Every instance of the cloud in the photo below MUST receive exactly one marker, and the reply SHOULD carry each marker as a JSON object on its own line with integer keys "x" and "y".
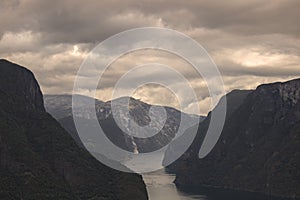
{"x": 251, "y": 42}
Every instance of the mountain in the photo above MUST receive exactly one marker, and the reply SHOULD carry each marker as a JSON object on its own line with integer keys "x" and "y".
{"x": 60, "y": 106}
{"x": 259, "y": 148}
{"x": 233, "y": 99}
{"x": 39, "y": 159}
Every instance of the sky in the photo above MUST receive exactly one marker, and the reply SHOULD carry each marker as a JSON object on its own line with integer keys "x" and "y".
{"x": 251, "y": 42}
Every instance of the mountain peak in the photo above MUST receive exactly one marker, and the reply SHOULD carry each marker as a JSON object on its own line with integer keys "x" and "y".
{"x": 293, "y": 82}
{"x": 17, "y": 81}
{"x": 126, "y": 99}
{"x": 259, "y": 144}
{"x": 39, "y": 159}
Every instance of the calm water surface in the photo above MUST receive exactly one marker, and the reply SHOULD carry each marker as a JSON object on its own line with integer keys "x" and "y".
{"x": 160, "y": 186}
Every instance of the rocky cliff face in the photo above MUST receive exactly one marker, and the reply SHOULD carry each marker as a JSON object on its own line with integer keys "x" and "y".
{"x": 234, "y": 99}
{"x": 38, "y": 158}
{"x": 60, "y": 107}
{"x": 19, "y": 82}
{"x": 259, "y": 149}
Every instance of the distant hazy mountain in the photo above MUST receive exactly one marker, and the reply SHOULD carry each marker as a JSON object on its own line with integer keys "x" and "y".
{"x": 38, "y": 158}
{"x": 259, "y": 149}
{"x": 59, "y": 106}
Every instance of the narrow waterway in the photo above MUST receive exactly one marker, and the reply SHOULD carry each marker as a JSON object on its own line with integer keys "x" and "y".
{"x": 160, "y": 186}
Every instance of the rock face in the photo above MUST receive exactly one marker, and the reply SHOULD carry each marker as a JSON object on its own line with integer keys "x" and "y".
{"x": 19, "y": 82}
{"x": 38, "y": 158}
{"x": 234, "y": 99}
{"x": 259, "y": 149}
{"x": 60, "y": 106}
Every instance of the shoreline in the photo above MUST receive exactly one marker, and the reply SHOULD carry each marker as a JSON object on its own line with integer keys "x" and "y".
{"x": 227, "y": 191}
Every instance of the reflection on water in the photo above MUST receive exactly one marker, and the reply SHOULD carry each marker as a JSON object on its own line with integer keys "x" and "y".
{"x": 160, "y": 186}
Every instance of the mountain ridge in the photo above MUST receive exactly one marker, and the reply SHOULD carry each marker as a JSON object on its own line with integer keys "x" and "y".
{"x": 138, "y": 113}
{"x": 38, "y": 158}
{"x": 258, "y": 149}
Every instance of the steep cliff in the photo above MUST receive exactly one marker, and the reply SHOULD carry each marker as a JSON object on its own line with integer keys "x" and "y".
{"x": 259, "y": 149}
{"x": 38, "y": 158}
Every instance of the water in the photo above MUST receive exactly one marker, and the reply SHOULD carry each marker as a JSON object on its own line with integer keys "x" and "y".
{"x": 160, "y": 186}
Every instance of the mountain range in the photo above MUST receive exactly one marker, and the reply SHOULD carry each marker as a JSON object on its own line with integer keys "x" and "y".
{"x": 42, "y": 157}
{"x": 60, "y": 106}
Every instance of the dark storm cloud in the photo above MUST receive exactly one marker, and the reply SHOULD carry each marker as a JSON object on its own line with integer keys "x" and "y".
{"x": 257, "y": 40}
{"x": 71, "y": 21}
{"x": 92, "y": 21}
{"x": 247, "y": 17}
